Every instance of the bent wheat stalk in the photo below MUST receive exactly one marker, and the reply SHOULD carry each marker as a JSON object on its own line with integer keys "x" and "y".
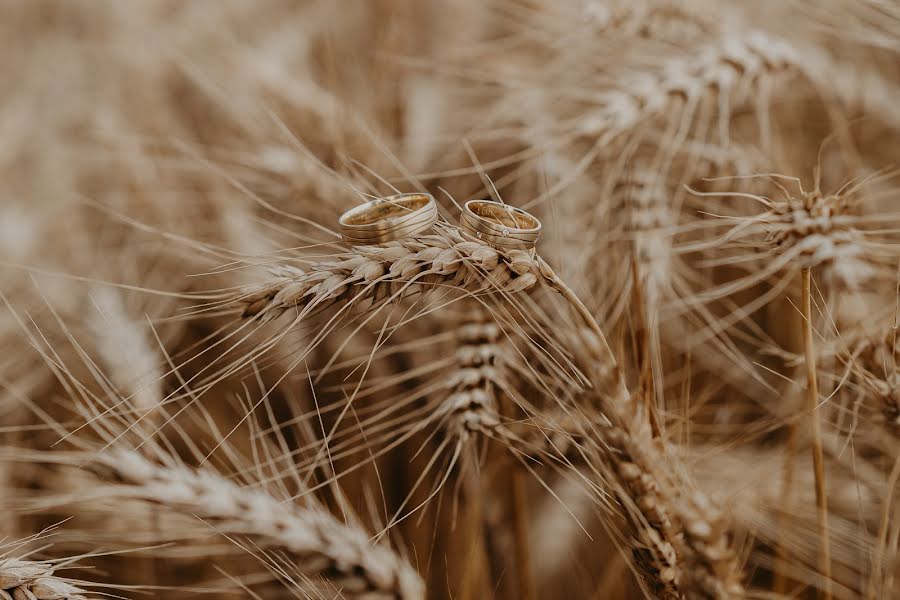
{"x": 812, "y": 391}
{"x": 398, "y": 269}
{"x": 376, "y": 276}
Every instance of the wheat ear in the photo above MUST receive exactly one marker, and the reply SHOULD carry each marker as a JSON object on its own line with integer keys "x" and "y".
{"x": 471, "y": 404}
{"x": 730, "y": 65}
{"x": 681, "y": 539}
{"x": 376, "y": 275}
{"x": 34, "y": 580}
{"x": 877, "y": 357}
{"x": 650, "y": 19}
{"x": 320, "y": 544}
{"x": 386, "y": 273}
{"x": 809, "y": 229}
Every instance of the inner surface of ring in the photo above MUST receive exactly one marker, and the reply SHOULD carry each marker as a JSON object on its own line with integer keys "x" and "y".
{"x": 501, "y": 215}
{"x": 386, "y": 208}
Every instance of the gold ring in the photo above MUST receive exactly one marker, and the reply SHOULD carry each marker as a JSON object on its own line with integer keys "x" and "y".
{"x": 389, "y": 218}
{"x": 500, "y": 225}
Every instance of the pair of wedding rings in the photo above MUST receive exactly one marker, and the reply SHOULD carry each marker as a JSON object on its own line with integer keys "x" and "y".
{"x": 405, "y": 215}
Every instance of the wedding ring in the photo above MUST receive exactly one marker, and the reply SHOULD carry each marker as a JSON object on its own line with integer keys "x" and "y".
{"x": 500, "y": 225}
{"x": 389, "y": 218}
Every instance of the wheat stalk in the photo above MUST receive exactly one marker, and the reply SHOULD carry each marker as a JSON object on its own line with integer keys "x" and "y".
{"x": 375, "y": 276}
{"x": 812, "y": 394}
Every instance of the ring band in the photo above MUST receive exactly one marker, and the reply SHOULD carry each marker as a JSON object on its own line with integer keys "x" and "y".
{"x": 501, "y": 225}
{"x": 389, "y": 218}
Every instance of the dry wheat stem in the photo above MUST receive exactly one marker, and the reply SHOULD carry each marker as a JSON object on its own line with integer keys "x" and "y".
{"x": 816, "y": 422}
{"x": 321, "y": 545}
{"x": 34, "y": 580}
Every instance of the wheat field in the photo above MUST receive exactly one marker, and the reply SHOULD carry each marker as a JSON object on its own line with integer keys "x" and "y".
{"x": 689, "y": 389}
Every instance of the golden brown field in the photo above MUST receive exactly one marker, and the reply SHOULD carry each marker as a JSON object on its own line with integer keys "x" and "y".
{"x": 689, "y": 388}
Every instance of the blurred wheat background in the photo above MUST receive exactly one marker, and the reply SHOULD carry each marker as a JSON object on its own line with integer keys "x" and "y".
{"x": 690, "y": 389}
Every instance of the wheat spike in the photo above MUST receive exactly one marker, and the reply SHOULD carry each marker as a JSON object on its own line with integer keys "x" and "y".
{"x": 320, "y": 544}
{"x": 685, "y": 538}
{"x": 34, "y": 580}
{"x": 731, "y": 66}
{"x": 472, "y": 404}
{"x": 392, "y": 271}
